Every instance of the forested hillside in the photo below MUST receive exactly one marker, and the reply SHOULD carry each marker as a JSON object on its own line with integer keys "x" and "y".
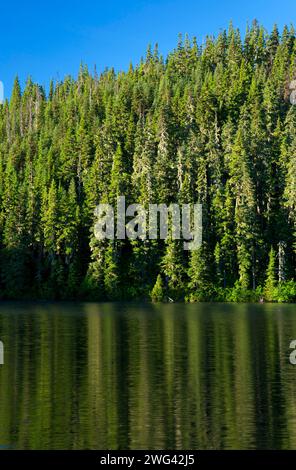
{"x": 211, "y": 124}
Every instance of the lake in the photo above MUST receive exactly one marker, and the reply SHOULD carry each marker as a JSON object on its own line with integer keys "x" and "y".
{"x": 141, "y": 376}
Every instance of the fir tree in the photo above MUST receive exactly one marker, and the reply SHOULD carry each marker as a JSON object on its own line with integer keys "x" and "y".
{"x": 270, "y": 282}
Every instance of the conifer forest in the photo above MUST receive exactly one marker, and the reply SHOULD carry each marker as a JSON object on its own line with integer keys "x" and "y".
{"x": 211, "y": 123}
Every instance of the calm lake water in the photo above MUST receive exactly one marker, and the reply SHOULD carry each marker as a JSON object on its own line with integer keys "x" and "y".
{"x": 113, "y": 376}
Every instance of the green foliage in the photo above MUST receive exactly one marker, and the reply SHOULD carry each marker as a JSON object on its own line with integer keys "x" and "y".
{"x": 200, "y": 285}
{"x": 286, "y": 292}
{"x": 213, "y": 124}
{"x": 158, "y": 293}
{"x": 270, "y": 287}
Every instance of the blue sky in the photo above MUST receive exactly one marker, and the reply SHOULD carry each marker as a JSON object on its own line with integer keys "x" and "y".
{"x": 50, "y": 39}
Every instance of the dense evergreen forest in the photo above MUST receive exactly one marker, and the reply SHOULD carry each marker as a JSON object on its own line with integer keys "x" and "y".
{"x": 211, "y": 124}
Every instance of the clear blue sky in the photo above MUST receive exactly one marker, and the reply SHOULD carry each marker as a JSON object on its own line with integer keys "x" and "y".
{"x": 49, "y": 39}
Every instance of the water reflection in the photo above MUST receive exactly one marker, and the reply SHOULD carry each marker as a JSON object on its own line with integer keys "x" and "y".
{"x": 111, "y": 376}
